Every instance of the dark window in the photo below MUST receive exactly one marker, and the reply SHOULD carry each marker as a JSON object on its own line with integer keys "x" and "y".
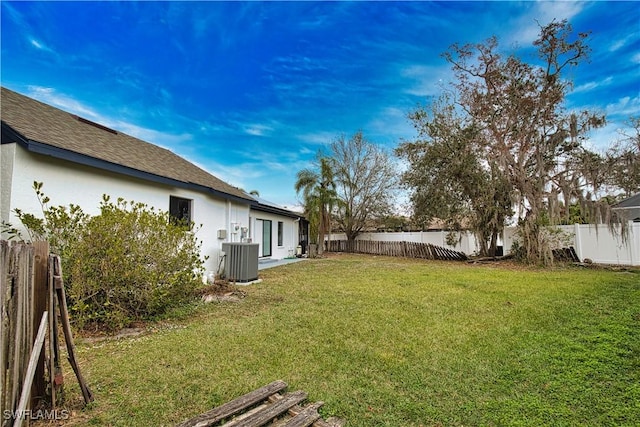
{"x": 180, "y": 210}
{"x": 280, "y": 233}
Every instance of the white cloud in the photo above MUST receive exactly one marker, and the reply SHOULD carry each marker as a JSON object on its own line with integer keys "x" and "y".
{"x": 318, "y": 138}
{"x": 50, "y": 96}
{"x": 619, "y": 44}
{"x": 35, "y": 43}
{"x": 41, "y": 46}
{"x": 427, "y": 80}
{"x": 238, "y": 174}
{"x": 392, "y": 123}
{"x": 150, "y": 135}
{"x": 14, "y": 15}
{"x": 71, "y": 105}
{"x": 295, "y": 64}
{"x": 542, "y": 13}
{"x": 626, "y": 106}
{"x": 617, "y": 114}
{"x": 602, "y": 138}
{"x": 593, "y": 85}
{"x": 257, "y": 129}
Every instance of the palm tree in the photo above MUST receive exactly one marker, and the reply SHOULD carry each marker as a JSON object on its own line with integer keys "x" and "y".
{"x": 319, "y": 196}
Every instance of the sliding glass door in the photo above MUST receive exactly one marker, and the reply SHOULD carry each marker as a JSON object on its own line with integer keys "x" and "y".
{"x": 265, "y": 243}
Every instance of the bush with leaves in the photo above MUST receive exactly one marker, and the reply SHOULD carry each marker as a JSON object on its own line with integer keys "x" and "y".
{"x": 130, "y": 262}
{"x": 60, "y": 225}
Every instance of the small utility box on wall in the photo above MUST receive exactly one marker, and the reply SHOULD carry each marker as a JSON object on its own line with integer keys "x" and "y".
{"x": 222, "y": 234}
{"x": 241, "y": 261}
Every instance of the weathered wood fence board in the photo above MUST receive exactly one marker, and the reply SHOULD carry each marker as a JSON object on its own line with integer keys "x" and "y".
{"x": 16, "y": 328}
{"x": 566, "y": 254}
{"x": 5, "y": 295}
{"x": 40, "y": 304}
{"x": 31, "y": 285}
{"x": 397, "y": 249}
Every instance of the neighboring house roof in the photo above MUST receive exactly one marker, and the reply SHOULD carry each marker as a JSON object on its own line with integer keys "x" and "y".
{"x": 47, "y": 130}
{"x": 630, "y": 203}
{"x": 266, "y": 206}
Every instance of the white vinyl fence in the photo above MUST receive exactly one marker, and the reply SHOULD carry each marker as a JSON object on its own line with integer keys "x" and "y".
{"x": 597, "y": 243}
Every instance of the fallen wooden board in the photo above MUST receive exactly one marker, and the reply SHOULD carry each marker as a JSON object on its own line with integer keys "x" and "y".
{"x": 263, "y": 406}
{"x": 270, "y": 412}
{"x": 235, "y": 406}
{"x": 306, "y": 417}
{"x": 31, "y": 370}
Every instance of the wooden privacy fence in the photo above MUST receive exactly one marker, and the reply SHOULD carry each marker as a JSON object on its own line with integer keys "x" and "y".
{"x": 31, "y": 296}
{"x": 397, "y": 249}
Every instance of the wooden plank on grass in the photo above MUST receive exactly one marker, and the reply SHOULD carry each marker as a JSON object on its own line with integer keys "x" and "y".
{"x": 270, "y": 412}
{"x": 235, "y": 406}
{"x": 306, "y": 417}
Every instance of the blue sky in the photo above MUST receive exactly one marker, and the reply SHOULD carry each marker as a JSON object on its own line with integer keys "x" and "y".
{"x": 250, "y": 91}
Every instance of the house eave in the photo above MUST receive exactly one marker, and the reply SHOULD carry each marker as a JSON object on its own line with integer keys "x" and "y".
{"x": 82, "y": 159}
{"x": 632, "y": 202}
{"x": 9, "y": 135}
{"x": 270, "y": 209}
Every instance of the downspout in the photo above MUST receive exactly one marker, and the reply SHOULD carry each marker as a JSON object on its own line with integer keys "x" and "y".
{"x": 7, "y": 160}
{"x": 230, "y": 234}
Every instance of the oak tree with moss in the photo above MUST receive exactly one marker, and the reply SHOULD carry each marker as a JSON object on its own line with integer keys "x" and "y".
{"x": 517, "y": 135}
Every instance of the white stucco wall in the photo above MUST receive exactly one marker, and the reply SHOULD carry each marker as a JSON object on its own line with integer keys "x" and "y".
{"x": 290, "y": 233}
{"x": 7, "y": 154}
{"x": 65, "y": 182}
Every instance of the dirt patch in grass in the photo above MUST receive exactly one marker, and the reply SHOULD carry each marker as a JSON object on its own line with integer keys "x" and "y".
{"x": 136, "y": 329}
{"x": 221, "y": 291}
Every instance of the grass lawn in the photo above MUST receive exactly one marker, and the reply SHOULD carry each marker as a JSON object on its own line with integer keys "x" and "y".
{"x": 391, "y": 342}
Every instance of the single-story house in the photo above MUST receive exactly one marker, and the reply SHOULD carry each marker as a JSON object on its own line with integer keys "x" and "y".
{"x": 281, "y": 233}
{"x": 78, "y": 161}
{"x": 630, "y": 208}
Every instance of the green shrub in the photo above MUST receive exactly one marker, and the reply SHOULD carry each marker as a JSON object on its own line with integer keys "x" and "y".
{"x": 59, "y": 226}
{"x": 130, "y": 262}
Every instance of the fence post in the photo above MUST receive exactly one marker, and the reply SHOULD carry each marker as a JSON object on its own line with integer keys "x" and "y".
{"x": 40, "y": 305}
{"x": 577, "y": 240}
{"x": 634, "y": 243}
{"x": 5, "y": 294}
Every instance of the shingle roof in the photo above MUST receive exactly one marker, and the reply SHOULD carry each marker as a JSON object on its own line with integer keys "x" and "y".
{"x": 631, "y": 202}
{"x": 39, "y": 123}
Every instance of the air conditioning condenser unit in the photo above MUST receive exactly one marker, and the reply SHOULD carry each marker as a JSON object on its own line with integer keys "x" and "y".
{"x": 241, "y": 261}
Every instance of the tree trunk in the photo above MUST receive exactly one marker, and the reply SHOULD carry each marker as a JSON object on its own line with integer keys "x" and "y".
{"x": 493, "y": 246}
{"x": 321, "y": 230}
